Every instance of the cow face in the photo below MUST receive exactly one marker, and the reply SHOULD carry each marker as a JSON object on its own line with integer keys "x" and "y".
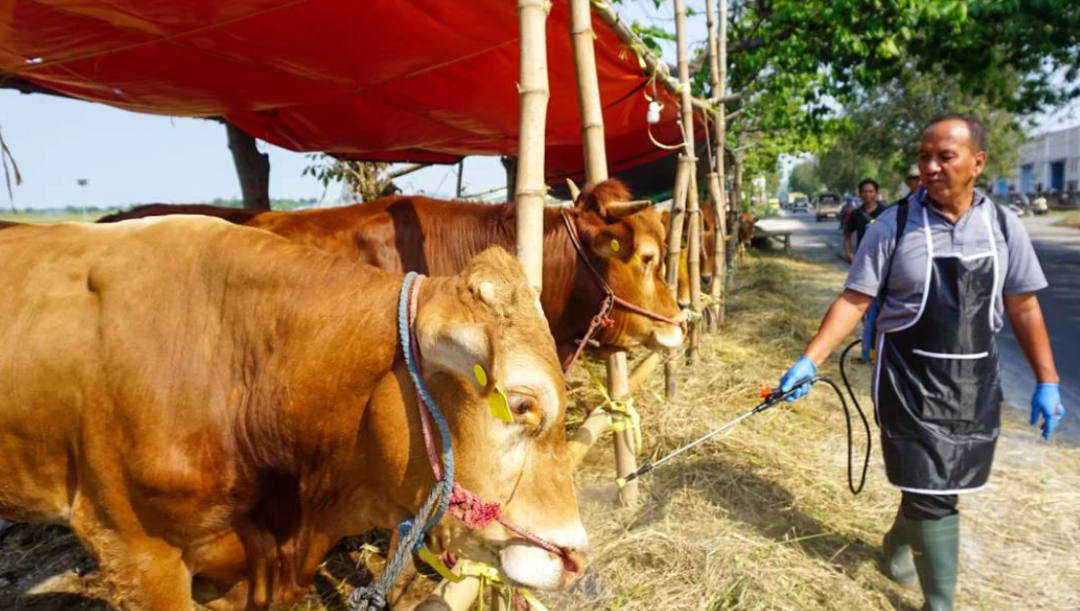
{"x": 626, "y": 242}
{"x": 488, "y": 316}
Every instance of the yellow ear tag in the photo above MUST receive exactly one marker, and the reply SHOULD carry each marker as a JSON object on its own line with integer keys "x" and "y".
{"x": 480, "y": 375}
{"x": 497, "y": 401}
{"x": 615, "y": 245}
{"x": 500, "y": 406}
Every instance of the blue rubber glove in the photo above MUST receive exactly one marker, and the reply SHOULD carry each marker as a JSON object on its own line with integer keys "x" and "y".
{"x": 1047, "y": 402}
{"x": 803, "y": 369}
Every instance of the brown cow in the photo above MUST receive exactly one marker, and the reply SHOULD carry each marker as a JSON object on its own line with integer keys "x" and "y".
{"x": 430, "y": 236}
{"x": 212, "y": 407}
{"x": 745, "y": 235}
{"x": 233, "y": 215}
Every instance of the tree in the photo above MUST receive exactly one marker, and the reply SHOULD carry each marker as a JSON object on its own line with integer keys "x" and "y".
{"x": 365, "y": 180}
{"x": 880, "y": 136}
{"x": 804, "y": 178}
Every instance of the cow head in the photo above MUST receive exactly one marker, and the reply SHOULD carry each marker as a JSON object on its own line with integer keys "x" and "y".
{"x": 485, "y": 347}
{"x": 625, "y": 240}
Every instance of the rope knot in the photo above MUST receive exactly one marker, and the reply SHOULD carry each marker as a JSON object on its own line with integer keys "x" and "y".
{"x": 472, "y": 512}
{"x": 368, "y": 598}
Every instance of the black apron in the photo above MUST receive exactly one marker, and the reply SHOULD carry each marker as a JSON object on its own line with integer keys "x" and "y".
{"x": 938, "y": 379}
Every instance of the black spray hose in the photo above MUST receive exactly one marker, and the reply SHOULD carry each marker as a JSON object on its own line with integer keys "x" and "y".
{"x": 847, "y": 418}
{"x": 772, "y": 398}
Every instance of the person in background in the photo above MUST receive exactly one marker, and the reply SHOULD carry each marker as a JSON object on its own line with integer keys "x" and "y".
{"x": 912, "y": 182}
{"x": 859, "y": 220}
{"x": 947, "y": 266}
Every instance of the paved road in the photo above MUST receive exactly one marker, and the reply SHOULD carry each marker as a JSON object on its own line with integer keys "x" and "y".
{"x": 1059, "y": 252}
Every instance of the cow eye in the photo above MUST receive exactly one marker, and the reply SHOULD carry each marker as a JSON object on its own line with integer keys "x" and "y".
{"x": 526, "y": 410}
{"x": 521, "y": 404}
{"x": 648, "y": 259}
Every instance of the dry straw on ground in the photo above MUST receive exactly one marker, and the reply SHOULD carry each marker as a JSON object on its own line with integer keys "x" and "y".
{"x": 761, "y": 517}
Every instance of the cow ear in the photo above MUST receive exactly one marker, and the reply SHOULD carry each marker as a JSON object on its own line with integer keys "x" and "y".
{"x": 469, "y": 350}
{"x": 614, "y": 241}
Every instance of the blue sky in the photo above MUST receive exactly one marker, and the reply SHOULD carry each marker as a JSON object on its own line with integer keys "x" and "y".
{"x": 130, "y": 158}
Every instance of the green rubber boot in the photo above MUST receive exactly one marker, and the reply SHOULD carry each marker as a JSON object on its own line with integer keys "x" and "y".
{"x": 897, "y": 562}
{"x": 936, "y": 544}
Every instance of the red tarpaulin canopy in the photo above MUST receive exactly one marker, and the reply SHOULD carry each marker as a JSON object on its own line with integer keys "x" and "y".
{"x": 393, "y": 80}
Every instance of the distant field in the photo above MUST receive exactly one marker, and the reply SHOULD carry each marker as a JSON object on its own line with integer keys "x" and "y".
{"x": 49, "y": 217}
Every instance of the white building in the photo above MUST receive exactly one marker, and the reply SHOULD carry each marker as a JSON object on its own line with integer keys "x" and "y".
{"x": 1047, "y": 162}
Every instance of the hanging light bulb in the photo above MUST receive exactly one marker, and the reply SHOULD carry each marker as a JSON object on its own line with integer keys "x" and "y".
{"x": 653, "y": 116}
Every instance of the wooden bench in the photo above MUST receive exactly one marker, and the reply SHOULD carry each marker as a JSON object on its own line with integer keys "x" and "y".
{"x": 780, "y": 236}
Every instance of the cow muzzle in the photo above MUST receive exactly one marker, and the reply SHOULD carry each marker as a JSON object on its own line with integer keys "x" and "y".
{"x": 533, "y": 567}
{"x": 668, "y": 337}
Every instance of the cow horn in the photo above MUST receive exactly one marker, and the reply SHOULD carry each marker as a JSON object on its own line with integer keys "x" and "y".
{"x": 574, "y": 190}
{"x": 621, "y": 209}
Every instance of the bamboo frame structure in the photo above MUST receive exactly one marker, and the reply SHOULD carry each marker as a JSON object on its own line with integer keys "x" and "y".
{"x": 674, "y": 249}
{"x": 718, "y": 72}
{"x": 651, "y": 64}
{"x": 692, "y": 204}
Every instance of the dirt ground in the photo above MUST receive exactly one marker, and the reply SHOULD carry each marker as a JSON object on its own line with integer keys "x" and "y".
{"x": 758, "y": 518}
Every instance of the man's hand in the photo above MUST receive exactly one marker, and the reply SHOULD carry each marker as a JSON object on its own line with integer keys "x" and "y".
{"x": 803, "y": 369}
{"x": 1046, "y": 402}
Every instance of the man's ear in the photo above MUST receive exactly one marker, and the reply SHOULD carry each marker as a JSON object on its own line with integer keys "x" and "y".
{"x": 466, "y": 349}
{"x": 980, "y": 164}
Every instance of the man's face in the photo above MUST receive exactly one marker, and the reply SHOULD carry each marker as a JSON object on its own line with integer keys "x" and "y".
{"x": 912, "y": 183}
{"x": 868, "y": 193}
{"x": 949, "y": 161}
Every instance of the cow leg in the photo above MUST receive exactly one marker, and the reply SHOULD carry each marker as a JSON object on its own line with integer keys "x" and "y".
{"x": 140, "y": 573}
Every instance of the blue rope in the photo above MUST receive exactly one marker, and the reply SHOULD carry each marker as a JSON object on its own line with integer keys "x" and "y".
{"x": 373, "y": 596}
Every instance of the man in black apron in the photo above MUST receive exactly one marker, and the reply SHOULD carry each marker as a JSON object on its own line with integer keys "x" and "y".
{"x": 945, "y": 266}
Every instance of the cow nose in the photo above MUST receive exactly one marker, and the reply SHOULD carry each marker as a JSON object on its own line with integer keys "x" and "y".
{"x": 573, "y": 567}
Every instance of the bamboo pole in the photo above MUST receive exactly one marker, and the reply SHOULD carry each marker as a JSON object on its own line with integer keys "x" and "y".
{"x": 534, "y": 93}
{"x": 674, "y": 249}
{"x": 529, "y": 197}
{"x": 588, "y": 90}
{"x": 625, "y": 460}
{"x": 718, "y": 72}
{"x": 592, "y": 131}
{"x": 451, "y": 596}
{"x": 599, "y": 421}
{"x": 692, "y": 204}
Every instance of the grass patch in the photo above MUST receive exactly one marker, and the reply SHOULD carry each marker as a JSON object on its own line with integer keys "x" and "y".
{"x": 1070, "y": 219}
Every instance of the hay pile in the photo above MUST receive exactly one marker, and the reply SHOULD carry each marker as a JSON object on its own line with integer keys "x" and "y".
{"x": 761, "y": 517}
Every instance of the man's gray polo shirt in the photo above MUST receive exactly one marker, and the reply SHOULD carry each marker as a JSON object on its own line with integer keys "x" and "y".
{"x": 1018, "y": 267}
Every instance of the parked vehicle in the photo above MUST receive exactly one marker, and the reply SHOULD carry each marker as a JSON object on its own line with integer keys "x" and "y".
{"x": 828, "y": 206}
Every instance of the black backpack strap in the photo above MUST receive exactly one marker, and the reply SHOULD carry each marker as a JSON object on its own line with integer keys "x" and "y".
{"x": 1003, "y": 221}
{"x": 901, "y": 225}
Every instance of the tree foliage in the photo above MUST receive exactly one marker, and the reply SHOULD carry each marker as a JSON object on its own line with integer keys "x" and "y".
{"x": 880, "y": 136}
{"x": 804, "y": 178}
{"x": 365, "y": 180}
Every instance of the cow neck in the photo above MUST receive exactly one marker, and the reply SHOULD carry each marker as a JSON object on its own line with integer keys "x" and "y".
{"x": 337, "y": 318}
